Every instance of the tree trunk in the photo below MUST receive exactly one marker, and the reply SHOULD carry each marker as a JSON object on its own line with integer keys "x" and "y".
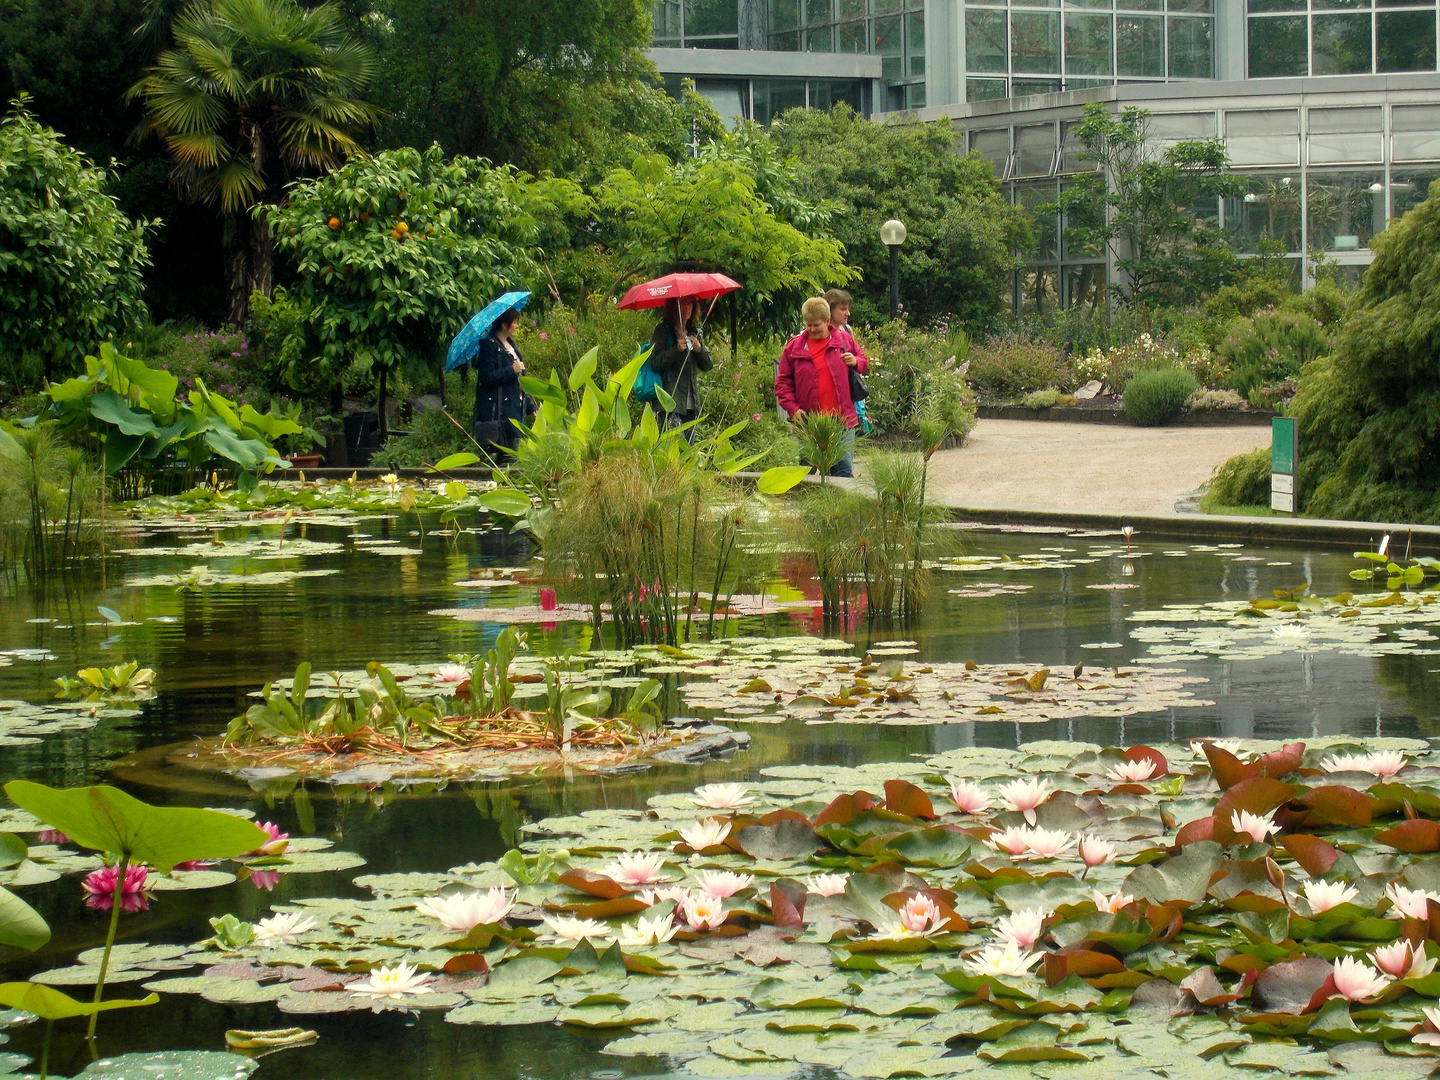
{"x": 262, "y": 258}
{"x": 237, "y": 273}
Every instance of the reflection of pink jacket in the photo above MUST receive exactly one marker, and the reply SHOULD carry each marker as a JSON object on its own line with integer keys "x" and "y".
{"x": 795, "y": 381}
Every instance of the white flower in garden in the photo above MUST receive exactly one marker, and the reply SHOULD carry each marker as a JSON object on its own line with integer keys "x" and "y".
{"x": 1113, "y": 904}
{"x": 1324, "y": 895}
{"x": 1291, "y": 632}
{"x": 1013, "y": 841}
{"x": 721, "y": 796}
{"x": 650, "y": 897}
{"x": 1096, "y": 852}
{"x": 1048, "y": 843}
{"x": 969, "y": 798}
{"x": 827, "y": 884}
{"x": 1023, "y": 796}
{"x": 1022, "y": 929}
{"x": 1002, "y": 961}
{"x": 1399, "y": 960}
{"x": 645, "y": 931}
{"x": 637, "y": 868}
{"x": 282, "y": 929}
{"x": 703, "y": 912}
{"x": 465, "y": 911}
{"x": 1131, "y": 772}
{"x": 1411, "y": 903}
{"x": 1255, "y": 826}
{"x": 565, "y": 929}
{"x": 708, "y": 833}
{"x": 456, "y": 673}
{"x": 1356, "y": 980}
{"x": 1429, "y": 1038}
{"x": 723, "y": 883}
{"x": 393, "y": 982}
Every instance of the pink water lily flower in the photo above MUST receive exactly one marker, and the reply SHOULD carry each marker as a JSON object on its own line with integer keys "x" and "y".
{"x": 1113, "y": 904}
{"x": 1013, "y": 841}
{"x": 1024, "y": 796}
{"x": 703, "y": 911}
{"x": 1399, "y": 960}
{"x": 1411, "y": 903}
{"x": 1131, "y": 772}
{"x": 723, "y": 883}
{"x": 1095, "y": 852}
{"x": 99, "y": 888}
{"x": 452, "y": 673}
{"x": 53, "y": 836}
{"x": 265, "y": 880}
{"x": 1356, "y": 980}
{"x": 969, "y": 798}
{"x": 1253, "y": 825}
{"x": 1429, "y": 1035}
{"x": 1023, "y": 929}
{"x": 277, "y": 843}
{"x": 722, "y": 796}
{"x": 651, "y": 897}
{"x": 1048, "y": 843}
{"x": 921, "y": 915}
{"x": 827, "y": 884}
{"x": 706, "y": 834}
{"x": 1324, "y": 895}
{"x": 637, "y": 868}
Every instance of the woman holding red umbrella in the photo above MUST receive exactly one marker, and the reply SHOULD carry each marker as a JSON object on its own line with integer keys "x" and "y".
{"x": 677, "y": 356}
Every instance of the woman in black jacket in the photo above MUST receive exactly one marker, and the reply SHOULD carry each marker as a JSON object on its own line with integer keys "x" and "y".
{"x": 678, "y": 355}
{"x": 498, "y": 397}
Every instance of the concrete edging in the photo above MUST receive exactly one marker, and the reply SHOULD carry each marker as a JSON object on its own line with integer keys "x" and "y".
{"x": 1071, "y": 414}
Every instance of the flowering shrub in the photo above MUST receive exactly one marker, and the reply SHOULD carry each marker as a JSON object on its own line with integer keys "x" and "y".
{"x": 1274, "y": 395}
{"x": 221, "y": 358}
{"x": 1271, "y": 347}
{"x": 910, "y": 368}
{"x": 1208, "y": 400}
{"x": 1009, "y": 367}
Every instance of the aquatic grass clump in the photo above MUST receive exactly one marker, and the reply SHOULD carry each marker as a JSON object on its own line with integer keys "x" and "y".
{"x": 49, "y": 502}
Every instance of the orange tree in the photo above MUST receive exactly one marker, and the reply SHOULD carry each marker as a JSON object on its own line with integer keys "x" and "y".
{"x": 395, "y": 252}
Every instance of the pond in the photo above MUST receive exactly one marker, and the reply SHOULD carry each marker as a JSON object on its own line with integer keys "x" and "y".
{"x": 375, "y": 589}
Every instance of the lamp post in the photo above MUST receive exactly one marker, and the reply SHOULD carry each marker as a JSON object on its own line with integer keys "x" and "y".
{"x": 892, "y": 235}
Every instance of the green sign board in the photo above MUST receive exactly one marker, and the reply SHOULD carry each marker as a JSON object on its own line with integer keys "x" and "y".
{"x": 1282, "y": 445}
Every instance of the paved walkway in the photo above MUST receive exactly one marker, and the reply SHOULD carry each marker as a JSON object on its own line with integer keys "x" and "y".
{"x": 1096, "y": 467}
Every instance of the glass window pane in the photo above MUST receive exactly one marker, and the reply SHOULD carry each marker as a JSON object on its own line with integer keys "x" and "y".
{"x": 1343, "y": 210}
{"x": 1192, "y": 48}
{"x": 1085, "y": 287}
{"x": 994, "y": 144}
{"x": 774, "y": 96}
{"x": 1139, "y": 45}
{"x": 851, "y": 9}
{"x": 1035, "y": 41}
{"x": 711, "y": 17}
{"x": 915, "y": 96}
{"x": 784, "y": 14}
{"x": 1321, "y": 5}
{"x": 915, "y": 47}
{"x": 1340, "y": 135}
{"x": 1036, "y": 3}
{"x": 1026, "y": 87}
{"x": 1141, "y": 5}
{"x": 1029, "y": 196}
{"x": 1177, "y": 126}
{"x": 985, "y": 41}
{"x": 1204, "y": 7}
{"x": 888, "y": 43}
{"x": 1277, "y": 46}
{"x": 789, "y": 41}
{"x": 1087, "y": 44}
{"x": 1263, "y": 137}
{"x": 1073, "y": 153}
{"x": 1341, "y": 45}
{"x": 1088, "y": 3}
{"x": 884, "y": 7}
{"x": 818, "y": 12}
{"x": 1038, "y": 292}
{"x": 1405, "y": 41}
{"x": 665, "y": 18}
{"x": 1257, "y": 6}
{"x": 820, "y": 39}
{"x": 852, "y": 38}
{"x": 1409, "y": 188}
{"x": 1034, "y": 150}
{"x": 1269, "y": 211}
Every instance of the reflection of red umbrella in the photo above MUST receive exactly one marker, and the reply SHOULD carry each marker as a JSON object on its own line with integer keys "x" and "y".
{"x": 651, "y": 294}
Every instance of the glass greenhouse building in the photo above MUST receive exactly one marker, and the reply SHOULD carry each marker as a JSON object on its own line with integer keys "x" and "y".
{"x": 1330, "y": 109}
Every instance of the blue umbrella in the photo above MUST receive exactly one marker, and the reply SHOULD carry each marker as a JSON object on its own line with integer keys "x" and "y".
{"x": 467, "y": 342}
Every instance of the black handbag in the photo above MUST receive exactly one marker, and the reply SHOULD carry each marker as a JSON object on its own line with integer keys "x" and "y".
{"x": 858, "y": 390}
{"x": 487, "y": 432}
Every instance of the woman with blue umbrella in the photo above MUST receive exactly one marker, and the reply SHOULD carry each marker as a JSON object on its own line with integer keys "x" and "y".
{"x": 488, "y": 343}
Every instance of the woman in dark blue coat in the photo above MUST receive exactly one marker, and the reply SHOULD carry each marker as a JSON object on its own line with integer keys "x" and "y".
{"x": 498, "y": 397}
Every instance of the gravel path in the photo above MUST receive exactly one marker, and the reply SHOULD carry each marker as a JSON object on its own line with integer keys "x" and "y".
{"x": 1101, "y": 467}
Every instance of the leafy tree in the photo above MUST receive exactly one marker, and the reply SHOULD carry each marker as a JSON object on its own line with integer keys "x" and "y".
{"x": 1157, "y": 213}
{"x": 707, "y": 213}
{"x": 70, "y": 261}
{"x": 962, "y": 237}
{"x": 253, "y": 93}
{"x": 527, "y": 83}
{"x": 395, "y": 252}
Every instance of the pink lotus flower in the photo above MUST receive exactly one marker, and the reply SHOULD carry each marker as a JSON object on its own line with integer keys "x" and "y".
{"x": 99, "y": 887}
{"x": 1113, "y": 904}
{"x": 53, "y": 836}
{"x": 277, "y": 843}
{"x": 969, "y": 798}
{"x": 1399, "y": 960}
{"x": 1131, "y": 772}
{"x": 703, "y": 912}
{"x": 1356, "y": 980}
{"x": 1253, "y": 825}
{"x": 1022, "y": 929}
{"x": 1411, "y": 903}
{"x": 920, "y": 915}
{"x": 1095, "y": 852}
{"x": 547, "y": 599}
{"x": 1324, "y": 895}
{"x": 452, "y": 673}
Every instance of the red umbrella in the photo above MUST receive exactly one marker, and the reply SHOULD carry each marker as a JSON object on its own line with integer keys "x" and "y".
{"x": 651, "y": 294}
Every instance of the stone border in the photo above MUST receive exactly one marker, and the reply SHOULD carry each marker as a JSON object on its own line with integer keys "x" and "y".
{"x": 1073, "y": 414}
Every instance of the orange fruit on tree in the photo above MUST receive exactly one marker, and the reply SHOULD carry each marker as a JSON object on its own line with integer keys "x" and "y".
{"x": 402, "y": 228}
{"x": 334, "y": 223}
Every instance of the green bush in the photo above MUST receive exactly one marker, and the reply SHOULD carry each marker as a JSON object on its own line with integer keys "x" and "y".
{"x": 1153, "y": 397}
{"x": 1271, "y": 346}
{"x": 220, "y": 357}
{"x": 1009, "y": 367}
{"x": 909, "y": 368}
{"x": 1244, "y": 480}
{"x": 431, "y": 437}
{"x": 554, "y": 339}
{"x": 1042, "y": 399}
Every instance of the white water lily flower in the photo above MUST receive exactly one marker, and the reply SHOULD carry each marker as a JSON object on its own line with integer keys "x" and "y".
{"x": 1013, "y": 841}
{"x": 1400, "y": 960}
{"x": 1021, "y": 929}
{"x": 391, "y": 481}
{"x": 1003, "y": 961}
{"x": 1096, "y": 852}
{"x": 827, "y": 884}
{"x": 1411, "y": 903}
{"x": 282, "y": 929}
{"x": 455, "y": 673}
{"x": 1387, "y": 763}
{"x": 708, "y": 833}
{"x": 1131, "y": 772}
{"x": 643, "y": 931}
{"x": 565, "y": 929}
{"x": 723, "y": 883}
{"x": 393, "y": 982}
{"x": 1291, "y": 632}
{"x": 1113, "y": 904}
{"x": 703, "y": 911}
{"x": 721, "y": 796}
{"x": 1356, "y": 980}
{"x": 1255, "y": 826}
{"x": 650, "y": 897}
{"x": 1429, "y": 1038}
{"x": 465, "y": 911}
{"x": 1047, "y": 843}
{"x": 969, "y": 798}
{"x": 637, "y": 868}
{"x": 1023, "y": 796}
{"x": 1382, "y": 763}
{"x": 1324, "y": 895}
{"x": 1230, "y": 746}
{"x": 1346, "y": 763}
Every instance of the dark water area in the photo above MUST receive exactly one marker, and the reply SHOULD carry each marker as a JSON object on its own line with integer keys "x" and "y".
{"x": 213, "y": 646}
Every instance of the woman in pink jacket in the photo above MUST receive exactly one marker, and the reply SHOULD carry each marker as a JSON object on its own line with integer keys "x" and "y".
{"x": 814, "y": 375}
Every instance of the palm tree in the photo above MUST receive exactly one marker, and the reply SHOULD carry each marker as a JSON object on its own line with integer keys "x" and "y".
{"x": 250, "y": 94}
